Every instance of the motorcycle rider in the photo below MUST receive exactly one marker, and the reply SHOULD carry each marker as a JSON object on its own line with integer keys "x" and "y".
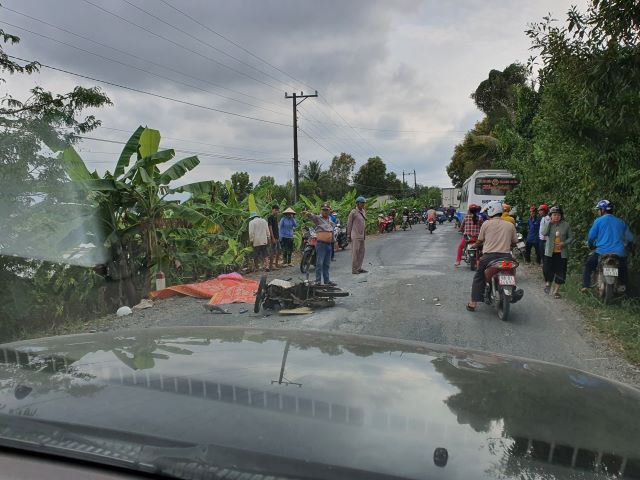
{"x": 406, "y": 217}
{"x": 609, "y": 235}
{"x": 497, "y": 238}
{"x": 470, "y": 226}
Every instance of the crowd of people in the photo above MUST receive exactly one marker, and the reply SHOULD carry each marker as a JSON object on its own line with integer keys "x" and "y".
{"x": 271, "y": 237}
{"x": 549, "y": 236}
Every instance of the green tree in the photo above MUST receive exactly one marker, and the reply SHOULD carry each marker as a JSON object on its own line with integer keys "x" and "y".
{"x": 478, "y": 150}
{"x": 339, "y": 175}
{"x": 495, "y": 96}
{"x": 312, "y": 171}
{"x": 371, "y": 178}
{"x": 242, "y": 185}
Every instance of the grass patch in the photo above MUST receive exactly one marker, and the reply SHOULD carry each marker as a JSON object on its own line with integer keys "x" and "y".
{"x": 619, "y": 323}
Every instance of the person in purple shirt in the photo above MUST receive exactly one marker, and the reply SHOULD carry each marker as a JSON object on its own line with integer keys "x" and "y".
{"x": 608, "y": 235}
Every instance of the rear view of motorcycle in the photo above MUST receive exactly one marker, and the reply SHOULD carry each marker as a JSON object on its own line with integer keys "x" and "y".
{"x": 431, "y": 225}
{"x": 607, "y": 278}
{"x": 470, "y": 253}
{"x": 500, "y": 286}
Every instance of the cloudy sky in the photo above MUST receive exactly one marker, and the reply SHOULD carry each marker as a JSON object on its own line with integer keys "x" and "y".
{"x": 394, "y": 77}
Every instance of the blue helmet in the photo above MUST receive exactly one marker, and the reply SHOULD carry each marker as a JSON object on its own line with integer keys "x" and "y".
{"x": 605, "y": 205}
{"x": 360, "y": 199}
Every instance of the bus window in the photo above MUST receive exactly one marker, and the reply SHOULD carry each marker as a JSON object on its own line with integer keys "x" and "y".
{"x": 494, "y": 186}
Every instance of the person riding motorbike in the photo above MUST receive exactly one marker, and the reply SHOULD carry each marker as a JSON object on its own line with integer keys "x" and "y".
{"x": 406, "y": 218}
{"x": 470, "y": 227}
{"x": 608, "y": 235}
{"x": 497, "y": 238}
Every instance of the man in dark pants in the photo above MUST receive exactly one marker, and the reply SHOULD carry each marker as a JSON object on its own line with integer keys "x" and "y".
{"x": 497, "y": 237}
{"x": 533, "y": 240}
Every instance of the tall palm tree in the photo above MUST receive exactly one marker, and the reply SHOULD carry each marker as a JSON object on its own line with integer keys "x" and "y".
{"x": 312, "y": 171}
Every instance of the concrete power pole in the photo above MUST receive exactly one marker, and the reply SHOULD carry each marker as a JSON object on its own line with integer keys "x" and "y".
{"x": 296, "y": 162}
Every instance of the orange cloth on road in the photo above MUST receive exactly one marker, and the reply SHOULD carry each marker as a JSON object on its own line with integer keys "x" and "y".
{"x": 219, "y": 291}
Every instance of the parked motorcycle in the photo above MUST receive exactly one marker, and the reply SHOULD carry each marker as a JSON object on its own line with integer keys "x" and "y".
{"x": 500, "y": 286}
{"x": 340, "y": 234}
{"x": 431, "y": 225}
{"x": 382, "y": 223}
{"x": 391, "y": 223}
{"x": 309, "y": 241}
{"x": 607, "y": 278}
{"x": 470, "y": 254}
{"x": 406, "y": 223}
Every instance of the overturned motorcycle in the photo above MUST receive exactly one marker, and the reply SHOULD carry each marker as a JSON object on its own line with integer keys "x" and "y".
{"x": 283, "y": 294}
{"x": 500, "y": 286}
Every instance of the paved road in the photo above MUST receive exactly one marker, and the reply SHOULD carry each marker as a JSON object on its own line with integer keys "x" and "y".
{"x": 413, "y": 291}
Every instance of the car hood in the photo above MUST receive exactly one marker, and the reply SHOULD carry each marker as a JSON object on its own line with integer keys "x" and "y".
{"x": 366, "y": 403}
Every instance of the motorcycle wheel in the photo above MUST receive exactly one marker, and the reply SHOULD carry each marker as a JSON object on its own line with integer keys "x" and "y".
{"x": 260, "y": 294}
{"x": 472, "y": 265}
{"x": 608, "y": 293}
{"x": 305, "y": 261}
{"x": 503, "y": 306}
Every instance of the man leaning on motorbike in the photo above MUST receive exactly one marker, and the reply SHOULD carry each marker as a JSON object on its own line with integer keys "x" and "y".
{"x": 497, "y": 238}
{"x": 609, "y": 235}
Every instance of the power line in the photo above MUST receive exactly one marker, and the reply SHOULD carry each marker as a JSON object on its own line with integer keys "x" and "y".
{"x": 138, "y": 68}
{"x": 190, "y": 152}
{"x": 317, "y": 142}
{"x": 201, "y": 41}
{"x": 236, "y": 44}
{"x": 191, "y": 141}
{"x": 125, "y": 87}
{"x": 180, "y": 45}
{"x": 166, "y": 67}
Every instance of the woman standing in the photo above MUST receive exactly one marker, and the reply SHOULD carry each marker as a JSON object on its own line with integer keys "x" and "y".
{"x": 556, "y": 252}
{"x": 470, "y": 226}
{"x": 287, "y": 225}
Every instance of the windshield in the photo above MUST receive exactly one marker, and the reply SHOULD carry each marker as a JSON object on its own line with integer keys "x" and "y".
{"x": 309, "y": 239}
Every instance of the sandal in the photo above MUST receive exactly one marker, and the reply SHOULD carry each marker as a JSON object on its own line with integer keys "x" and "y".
{"x": 556, "y": 295}
{"x": 470, "y": 308}
{"x": 456, "y": 264}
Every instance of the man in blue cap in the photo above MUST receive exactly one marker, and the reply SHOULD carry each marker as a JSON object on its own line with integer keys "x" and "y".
{"x": 356, "y": 226}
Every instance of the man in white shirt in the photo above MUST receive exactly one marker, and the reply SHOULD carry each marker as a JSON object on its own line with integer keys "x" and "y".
{"x": 259, "y": 237}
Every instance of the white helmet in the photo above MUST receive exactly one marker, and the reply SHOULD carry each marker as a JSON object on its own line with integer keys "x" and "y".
{"x": 494, "y": 208}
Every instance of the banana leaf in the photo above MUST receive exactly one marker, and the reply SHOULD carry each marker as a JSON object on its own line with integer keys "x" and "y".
{"x": 149, "y": 142}
{"x": 197, "y": 188}
{"x": 73, "y": 165}
{"x": 178, "y": 169}
{"x": 129, "y": 149}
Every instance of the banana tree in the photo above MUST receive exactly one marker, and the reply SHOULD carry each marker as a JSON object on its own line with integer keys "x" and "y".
{"x": 129, "y": 205}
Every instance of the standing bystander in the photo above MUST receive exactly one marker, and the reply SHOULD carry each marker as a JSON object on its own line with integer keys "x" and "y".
{"x": 356, "y": 226}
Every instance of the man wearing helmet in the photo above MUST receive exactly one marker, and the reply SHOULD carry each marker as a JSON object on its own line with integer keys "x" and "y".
{"x": 608, "y": 235}
{"x": 497, "y": 238}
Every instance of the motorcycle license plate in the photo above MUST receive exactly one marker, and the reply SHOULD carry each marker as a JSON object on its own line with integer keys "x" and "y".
{"x": 521, "y": 245}
{"x": 610, "y": 271}
{"x": 506, "y": 280}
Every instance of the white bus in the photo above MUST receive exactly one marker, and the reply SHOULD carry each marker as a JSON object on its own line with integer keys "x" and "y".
{"x": 485, "y": 186}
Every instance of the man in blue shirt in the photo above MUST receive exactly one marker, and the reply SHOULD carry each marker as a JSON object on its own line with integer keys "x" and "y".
{"x": 532, "y": 236}
{"x": 609, "y": 235}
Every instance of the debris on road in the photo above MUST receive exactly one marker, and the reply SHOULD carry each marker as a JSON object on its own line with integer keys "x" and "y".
{"x": 124, "y": 311}
{"x": 296, "y": 311}
{"x": 144, "y": 303}
{"x": 244, "y": 310}
{"x": 215, "y": 309}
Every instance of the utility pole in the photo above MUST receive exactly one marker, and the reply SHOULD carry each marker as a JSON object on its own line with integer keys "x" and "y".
{"x": 295, "y": 137}
{"x": 415, "y": 182}
{"x": 403, "y": 184}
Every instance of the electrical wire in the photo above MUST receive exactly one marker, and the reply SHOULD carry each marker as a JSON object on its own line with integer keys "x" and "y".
{"x": 257, "y": 57}
{"x": 151, "y": 62}
{"x": 195, "y": 52}
{"x": 125, "y": 87}
{"x": 179, "y": 82}
{"x": 200, "y": 40}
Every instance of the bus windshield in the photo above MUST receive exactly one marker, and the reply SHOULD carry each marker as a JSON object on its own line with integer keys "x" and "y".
{"x": 494, "y": 185}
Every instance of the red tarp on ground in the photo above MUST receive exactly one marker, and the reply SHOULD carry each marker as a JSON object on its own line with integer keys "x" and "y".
{"x": 220, "y": 290}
